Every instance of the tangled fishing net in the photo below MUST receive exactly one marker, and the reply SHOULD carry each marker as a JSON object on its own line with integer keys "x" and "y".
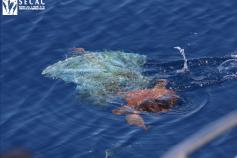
{"x": 101, "y": 75}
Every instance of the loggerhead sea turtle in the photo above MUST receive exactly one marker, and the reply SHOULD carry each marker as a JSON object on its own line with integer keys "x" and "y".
{"x": 157, "y": 99}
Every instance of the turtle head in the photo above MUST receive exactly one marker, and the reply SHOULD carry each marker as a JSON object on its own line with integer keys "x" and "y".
{"x": 161, "y": 83}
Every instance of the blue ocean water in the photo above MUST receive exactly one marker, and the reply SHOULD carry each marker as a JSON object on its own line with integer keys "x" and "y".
{"x": 47, "y": 117}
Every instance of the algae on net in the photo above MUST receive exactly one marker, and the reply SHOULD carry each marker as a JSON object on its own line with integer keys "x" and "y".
{"x": 100, "y": 76}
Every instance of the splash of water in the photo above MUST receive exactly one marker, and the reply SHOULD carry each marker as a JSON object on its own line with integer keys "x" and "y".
{"x": 228, "y": 68}
{"x": 234, "y": 55}
{"x": 185, "y": 65}
{"x": 108, "y": 153}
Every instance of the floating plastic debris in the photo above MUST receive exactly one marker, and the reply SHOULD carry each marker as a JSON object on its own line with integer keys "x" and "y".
{"x": 101, "y": 75}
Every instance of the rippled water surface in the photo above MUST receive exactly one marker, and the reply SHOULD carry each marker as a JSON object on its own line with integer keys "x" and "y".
{"x": 48, "y": 118}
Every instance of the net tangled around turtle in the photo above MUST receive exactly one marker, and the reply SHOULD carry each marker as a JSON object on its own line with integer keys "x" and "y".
{"x": 101, "y": 75}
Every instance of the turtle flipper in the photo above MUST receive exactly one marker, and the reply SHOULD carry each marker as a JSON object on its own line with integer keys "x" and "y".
{"x": 122, "y": 110}
{"x": 135, "y": 119}
{"x": 161, "y": 84}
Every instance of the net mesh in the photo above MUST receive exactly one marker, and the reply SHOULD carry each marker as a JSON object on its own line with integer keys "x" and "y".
{"x": 101, "y": 75}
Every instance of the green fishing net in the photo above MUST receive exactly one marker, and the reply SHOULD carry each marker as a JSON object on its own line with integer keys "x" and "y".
{"x": 101, "y": 75}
